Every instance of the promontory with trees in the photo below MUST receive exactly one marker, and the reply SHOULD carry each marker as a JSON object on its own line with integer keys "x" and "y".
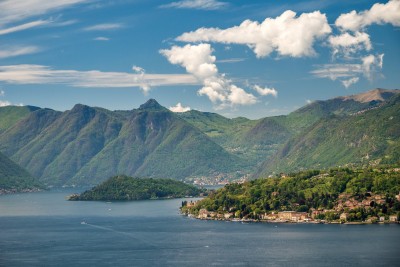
{"x": 123, "y": 187}
{"x": 337, "y": 195}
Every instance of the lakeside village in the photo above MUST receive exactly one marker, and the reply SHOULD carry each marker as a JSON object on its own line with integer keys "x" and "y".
{"x": 348, "y": 211}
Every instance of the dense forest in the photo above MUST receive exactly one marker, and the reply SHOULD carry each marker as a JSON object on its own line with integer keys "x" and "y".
{"x": 128, "y": 188}
{"x": 359, "y": 192}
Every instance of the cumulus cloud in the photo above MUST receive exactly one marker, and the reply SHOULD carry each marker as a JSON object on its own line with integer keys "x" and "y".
{"x": 266, "y": 91}
{"x": 104, "y": 27}
{"x": 38, "y": 74}
{"x": 286, "y": 34}
{"x": 348, "y": 44}
{"x": 197, "y": 4}
{"x": 199, "y": 61}
{"x": 4, "y": 103}
{"x": 6, "y": 52}
{"x": 388, "y": 13}
{"x": 179, "y": 108}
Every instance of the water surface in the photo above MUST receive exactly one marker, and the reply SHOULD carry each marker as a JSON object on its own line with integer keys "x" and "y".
{"x": 42, "y": 229}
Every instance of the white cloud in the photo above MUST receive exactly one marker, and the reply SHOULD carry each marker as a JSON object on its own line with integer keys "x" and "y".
{"x": 370, "y": 64}
{"x": 197, "y": 4}
{"x": 199, "y": 61}
{"x": 4, "y": 103}
{"x": 141, "y": 79}
{"x": 349, "y": 74}
{"x": 231, "y": 60}
{"x": 6, "y": 52}
{"x": 287, "y": 34}
{"x": 348, "y": 44}
{"x": 101, "y": 39}
{"x": 2, "y": 93}
{"x": 349, "y": 82}
{"x": 378, "y": 14}
{"x": 24, "y": 26}
{"x": 309, "y": 101}
{"x": 266, "y": 91}
{"x": 179, "y": 108}
{"x": 38, "y": 74}
{"x": 12, "y": 11}
{"x": 104, "y": 27}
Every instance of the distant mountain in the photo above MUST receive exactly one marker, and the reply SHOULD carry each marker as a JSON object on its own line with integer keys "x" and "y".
{"x": 10, "y": 115}
{"x": 86, "y": 145}
{"x": 365, "y": 136}
{"x": 13, "y": 178}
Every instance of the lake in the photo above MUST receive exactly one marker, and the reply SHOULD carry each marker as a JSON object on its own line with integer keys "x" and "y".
{"x": 43, "y": 229}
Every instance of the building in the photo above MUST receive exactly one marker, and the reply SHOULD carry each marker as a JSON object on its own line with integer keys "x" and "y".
{"x": 344, "y": 216}
{"x": 393, "y": 218}
{"x": 292, "y": 216}
{"x": 203, "y": 214}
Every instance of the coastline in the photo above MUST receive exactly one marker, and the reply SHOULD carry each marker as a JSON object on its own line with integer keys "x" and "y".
{"x": 286, "y": 221}
{"x": 18, "y": 191}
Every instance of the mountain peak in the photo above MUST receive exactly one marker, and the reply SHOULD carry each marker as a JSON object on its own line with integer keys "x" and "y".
{"x": 377, "y": 94}
{"x": 152, "y": 104}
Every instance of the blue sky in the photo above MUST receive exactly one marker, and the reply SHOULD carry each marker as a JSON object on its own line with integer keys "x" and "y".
{"x": 236, "y": 58}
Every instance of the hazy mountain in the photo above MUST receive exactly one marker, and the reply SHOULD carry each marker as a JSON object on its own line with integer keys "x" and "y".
{"x": 364, "y": 136}
{"x": 86, "y": 145}
{"x": 10, "y": 115}
{"x": 13, "y": 177}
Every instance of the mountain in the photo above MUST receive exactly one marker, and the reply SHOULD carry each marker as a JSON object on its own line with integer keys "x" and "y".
{"x": 128, "y": 188}
{"x": 14, "y": 178}
{"x": 9, "y": 115}
{"x": 368, "y": 135}
{"x": 85, "y": 145}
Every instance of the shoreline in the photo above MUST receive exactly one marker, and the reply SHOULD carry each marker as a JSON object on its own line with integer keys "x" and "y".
{"x": 4, "y": 192}
{"x": 245, "y": 221}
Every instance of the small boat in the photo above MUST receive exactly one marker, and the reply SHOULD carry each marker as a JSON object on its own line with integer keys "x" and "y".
{"x": 83, "y": 222}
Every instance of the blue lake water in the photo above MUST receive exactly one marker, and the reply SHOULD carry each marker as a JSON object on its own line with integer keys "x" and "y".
{"x": 43, "y": 229}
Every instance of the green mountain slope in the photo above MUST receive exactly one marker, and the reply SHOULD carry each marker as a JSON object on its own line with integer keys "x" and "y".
{"x": 373, "y": 135}
{"x": 85, "y": 145}
{"x": 10, "y": 115}
{"x": 14, "y": 178}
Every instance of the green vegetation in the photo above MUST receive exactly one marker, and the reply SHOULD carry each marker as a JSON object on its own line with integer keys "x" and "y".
{"x": 10, "y": 115}
{"x": 84, "y": 145}
{"x": 372, "y": 136}
{"x": 331, "y": 191}
{"x": 14, "y": 178}
{"x": 127, "y": 188}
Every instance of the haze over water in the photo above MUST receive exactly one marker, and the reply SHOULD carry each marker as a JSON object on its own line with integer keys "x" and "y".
{"x": 43, "y": 229}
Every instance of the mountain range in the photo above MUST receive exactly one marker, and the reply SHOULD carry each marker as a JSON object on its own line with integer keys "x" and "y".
{"x": 86, "y": 145}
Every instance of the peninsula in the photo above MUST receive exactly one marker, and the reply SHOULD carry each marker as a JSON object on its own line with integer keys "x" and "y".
{"x": 341, "y": 195}
{"x": 123, "y": 187}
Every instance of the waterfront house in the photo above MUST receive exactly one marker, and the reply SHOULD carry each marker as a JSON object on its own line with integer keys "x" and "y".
{"x": 203, "y": 214}
{"x": 344, "y": 216}
{"x": 393, "y": 218}
{"x": 292, "y": 216}
{"x": 228, "y": 215}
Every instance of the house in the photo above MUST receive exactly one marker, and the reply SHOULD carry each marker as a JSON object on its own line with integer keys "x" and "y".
{"x": 344, "y": 216}
{"x": 203, "y": 214}
{"x": 292, "y": 216}
{"x": 393, "y": 218}
{"x": 228, "y": 215}
{"x": 382, "y": 218}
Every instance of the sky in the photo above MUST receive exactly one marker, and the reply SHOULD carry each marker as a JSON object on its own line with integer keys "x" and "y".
{"x": 237, "y": 58}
